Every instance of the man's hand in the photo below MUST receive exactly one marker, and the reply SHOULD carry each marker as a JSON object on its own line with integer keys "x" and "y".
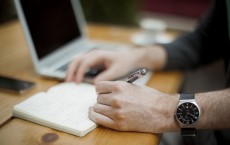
{"x": 127, "y": 107}
{"x": 115, "y": 64}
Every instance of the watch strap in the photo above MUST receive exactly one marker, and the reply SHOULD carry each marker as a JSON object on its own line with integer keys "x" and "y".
{"x": 186, "y": 96}
{"x": 188, "y": 131}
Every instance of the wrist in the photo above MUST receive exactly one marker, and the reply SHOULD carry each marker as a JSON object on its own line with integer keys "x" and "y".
{"x": 172, "y": 123}
{"x": 139, "y": 58}
{"x": 169, "y": 104}
{"x": 152, "y": 57}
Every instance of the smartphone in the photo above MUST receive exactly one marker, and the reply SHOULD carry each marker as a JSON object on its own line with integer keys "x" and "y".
{"x": 15, "y": 85}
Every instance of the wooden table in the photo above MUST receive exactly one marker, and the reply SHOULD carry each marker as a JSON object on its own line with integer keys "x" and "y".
{"x": 15, "y": 61}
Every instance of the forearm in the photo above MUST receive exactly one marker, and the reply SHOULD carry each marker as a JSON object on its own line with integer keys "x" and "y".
{"x": 215, "y": 109}
{"x": 151, "y": 57}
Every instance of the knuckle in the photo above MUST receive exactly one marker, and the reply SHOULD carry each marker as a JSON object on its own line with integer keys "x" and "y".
{"x": 116, "y": 102}
{"x": 118, "y": 115}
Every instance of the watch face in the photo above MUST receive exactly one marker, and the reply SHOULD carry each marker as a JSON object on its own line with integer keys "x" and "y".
{"x": 187, "y": 113}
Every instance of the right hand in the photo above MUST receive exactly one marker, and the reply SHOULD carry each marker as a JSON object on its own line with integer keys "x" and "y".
{"x": 115, "y": 64}
{"x": 128, "y": 107}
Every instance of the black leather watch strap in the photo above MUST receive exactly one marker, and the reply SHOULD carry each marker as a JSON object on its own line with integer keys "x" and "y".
{"x": 188, "y": 131}
{"x": 186, "y": 96}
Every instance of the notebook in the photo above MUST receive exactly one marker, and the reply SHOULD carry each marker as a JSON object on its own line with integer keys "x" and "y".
{"x": 63, "y": 107}
{"x": 55, "y": 33}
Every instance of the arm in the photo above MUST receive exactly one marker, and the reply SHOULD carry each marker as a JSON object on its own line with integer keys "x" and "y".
{"x": 116, "y": 64}
{"x": 126, "y": 107}
{"x": 202, "y": 46}
{"x": 199, "y": 47}
{"x": 215, "y": 109}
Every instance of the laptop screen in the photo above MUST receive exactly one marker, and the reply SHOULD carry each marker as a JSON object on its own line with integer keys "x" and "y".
{"x": 52, "y": 24}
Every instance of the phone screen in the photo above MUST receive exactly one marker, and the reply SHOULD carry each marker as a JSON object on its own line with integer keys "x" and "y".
{"x": 15, "y": 85}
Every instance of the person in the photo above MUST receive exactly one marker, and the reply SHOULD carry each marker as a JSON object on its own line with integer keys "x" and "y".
{"x": 127, "y": 107}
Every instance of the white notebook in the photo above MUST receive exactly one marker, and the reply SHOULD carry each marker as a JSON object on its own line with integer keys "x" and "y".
{"x": 63, "y": 107}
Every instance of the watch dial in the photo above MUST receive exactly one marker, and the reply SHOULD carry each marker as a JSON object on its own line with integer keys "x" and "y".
{"x": 187, "y": 113}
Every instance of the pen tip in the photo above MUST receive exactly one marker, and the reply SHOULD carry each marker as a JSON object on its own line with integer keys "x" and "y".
{"x": 143, "y": 71}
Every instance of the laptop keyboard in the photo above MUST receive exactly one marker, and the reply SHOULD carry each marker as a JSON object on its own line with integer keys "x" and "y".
{"x": 100, "y": 45}
{"x": 63, "y": 67}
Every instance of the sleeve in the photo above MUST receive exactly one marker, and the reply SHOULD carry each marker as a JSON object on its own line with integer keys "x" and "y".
{"x": 203, "y": 45}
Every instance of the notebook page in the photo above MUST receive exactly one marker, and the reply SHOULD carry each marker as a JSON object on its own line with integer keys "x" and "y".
{"x": 64, "y": 106}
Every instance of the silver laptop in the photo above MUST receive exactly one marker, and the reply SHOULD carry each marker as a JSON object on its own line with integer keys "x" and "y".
{"x": 55, "y": 33}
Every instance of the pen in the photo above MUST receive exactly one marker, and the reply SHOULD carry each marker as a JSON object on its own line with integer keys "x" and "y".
{"x": 136, "y": 75}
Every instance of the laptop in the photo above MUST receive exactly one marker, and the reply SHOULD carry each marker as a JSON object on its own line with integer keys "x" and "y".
{"x": 55, "y": 32}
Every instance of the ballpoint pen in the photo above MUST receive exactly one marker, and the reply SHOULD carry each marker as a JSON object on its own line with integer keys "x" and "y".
{"x": 134, "y": 76}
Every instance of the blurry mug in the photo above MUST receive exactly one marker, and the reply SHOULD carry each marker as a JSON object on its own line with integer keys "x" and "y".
{"x": 152, "y": 28}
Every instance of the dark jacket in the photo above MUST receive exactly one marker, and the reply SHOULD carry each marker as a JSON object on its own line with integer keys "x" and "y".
{"x": 209, "y": 42}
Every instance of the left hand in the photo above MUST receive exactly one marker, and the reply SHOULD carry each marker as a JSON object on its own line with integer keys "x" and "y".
{"x": 127, "y": 107}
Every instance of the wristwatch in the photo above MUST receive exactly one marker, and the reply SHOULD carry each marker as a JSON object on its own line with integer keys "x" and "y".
{"x": 187, "y": 114}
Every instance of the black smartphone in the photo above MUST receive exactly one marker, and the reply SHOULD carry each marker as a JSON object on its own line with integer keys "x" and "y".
{"x": 15, "y": 85}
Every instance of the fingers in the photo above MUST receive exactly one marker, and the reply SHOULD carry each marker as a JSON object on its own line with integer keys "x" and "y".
{"x": 114, "y": 66}
{"x": 100, "y": 118}
{"x": 103, "y": 109}
{"x": 108, "y": 109}
{"x": 104, "y": 99}
{"x": 81, "y": 64}
{"x": 105, "y": 87}
{"x": 72, "y": 69}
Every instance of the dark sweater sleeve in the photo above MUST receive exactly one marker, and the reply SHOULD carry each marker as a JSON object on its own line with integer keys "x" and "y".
{"x": 204, "y": 44}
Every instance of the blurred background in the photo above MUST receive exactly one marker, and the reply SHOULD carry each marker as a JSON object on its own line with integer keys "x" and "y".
{"x": 7, "y": 11}
{"x": 181, "y": 15}
{"x": 178, "y": 14}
